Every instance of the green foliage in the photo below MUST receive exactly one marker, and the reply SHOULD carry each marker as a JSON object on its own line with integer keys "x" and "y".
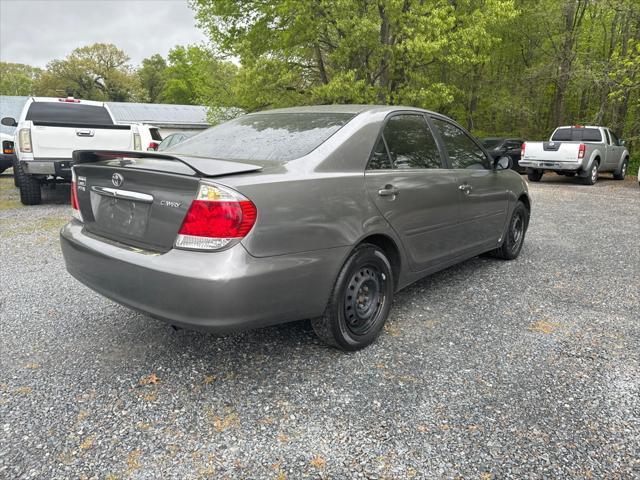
{"x": 17, "y": 78}
{"x": 634, "y": 164}
{"x": 95, "y": 72}
{"x": 195, "y": 76}
{"x": 514, "y": 67}
{"x": 351, "y": 51}
{"x": 152, "y": 75}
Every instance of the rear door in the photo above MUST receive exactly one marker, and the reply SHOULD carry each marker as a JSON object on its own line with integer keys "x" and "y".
{"x": 481, "y": 190}
{"x": 59, "y": 128}
{"x": 406, "y": 180}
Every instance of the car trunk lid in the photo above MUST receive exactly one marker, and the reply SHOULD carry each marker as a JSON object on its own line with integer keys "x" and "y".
{"x": 140, "y": 198}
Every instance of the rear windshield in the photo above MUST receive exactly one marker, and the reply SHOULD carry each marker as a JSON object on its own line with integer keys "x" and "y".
{"x": 62, "y": 112}
{"x": 264, "y": 137}
{"x": 577, "y": 135}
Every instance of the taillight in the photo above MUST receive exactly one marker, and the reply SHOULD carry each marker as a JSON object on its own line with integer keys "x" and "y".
{"x": 7, "y": 147}
{"x": 137, "y": 143}
{"x": 69, "y": 100}
{"x": 216, "y": 218}
{"x": 581, "y": 150}
{"x": 75, "y": 212}
{"x": 522, "y": 150}
{"x": 153, "y": 145}
{"x": 24, "y": 140}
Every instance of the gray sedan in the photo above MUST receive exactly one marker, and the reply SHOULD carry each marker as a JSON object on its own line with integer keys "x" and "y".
{"x": 312, "y": 212}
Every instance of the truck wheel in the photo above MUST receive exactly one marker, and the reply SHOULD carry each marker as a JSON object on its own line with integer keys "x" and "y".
{"x": 360, "y": 301}
{"x": 30, "y": 192}
{"x": 514, "y": 238}
{"x": 592, "y": 175}
{"x": 534, "y": 175}
{"x": 14, "y": 161}
{"x": 622, "y": 171}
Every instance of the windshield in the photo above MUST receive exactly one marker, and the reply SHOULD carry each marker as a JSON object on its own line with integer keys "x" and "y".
{"x": 63, "y": 112}
{"x": 264, "y": 137}
{"x": 577, "y": 135}
{"x": 490, "y": 143}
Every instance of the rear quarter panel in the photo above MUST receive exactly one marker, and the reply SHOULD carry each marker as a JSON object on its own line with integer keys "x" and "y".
{"x": 318, "y": 201}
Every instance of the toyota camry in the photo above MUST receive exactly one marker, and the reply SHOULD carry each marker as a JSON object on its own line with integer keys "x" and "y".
{"x": 313, "y": 212}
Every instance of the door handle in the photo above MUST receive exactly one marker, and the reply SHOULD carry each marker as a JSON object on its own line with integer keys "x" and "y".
{"x": 84, "y": 132}
{"x": 388, "y": 191}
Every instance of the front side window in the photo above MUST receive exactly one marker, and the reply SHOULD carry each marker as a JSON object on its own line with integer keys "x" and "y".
{"x": 463, "y": 152}
{"x": 410, "y": 142}
{"x": 614, "y": 138}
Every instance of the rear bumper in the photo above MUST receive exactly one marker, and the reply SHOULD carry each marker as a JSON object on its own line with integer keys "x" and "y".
{"x": 552, "y": 165}
{"x": 219, "y": 291}
{"x": 46, "y": 166}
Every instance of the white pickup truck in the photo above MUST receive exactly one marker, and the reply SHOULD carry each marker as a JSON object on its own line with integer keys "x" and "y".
{"x": 50, "y": 129}
{"x": 577, "y": 150}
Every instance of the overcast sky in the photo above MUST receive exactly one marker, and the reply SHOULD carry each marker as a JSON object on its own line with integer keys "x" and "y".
{"x": 37, "y": 31}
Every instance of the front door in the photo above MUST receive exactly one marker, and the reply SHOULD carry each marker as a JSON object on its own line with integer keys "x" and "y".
{"x": 418, "y": 197}
{"x": 483, "y": 196}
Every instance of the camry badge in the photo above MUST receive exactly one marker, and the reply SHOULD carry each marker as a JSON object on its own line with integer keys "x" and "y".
{"x": 117, "y": 179}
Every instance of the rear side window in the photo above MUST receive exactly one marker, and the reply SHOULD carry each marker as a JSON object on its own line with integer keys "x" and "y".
{"x": 265, "y": 136}
{"x": 571, "y": 134}
{"x": 463, "y": 152}
{"x": 73, "y": 113}
{"x": 410, "y": 142}
{"x": 379, "y": 158}
{"x": 155, "y": 134}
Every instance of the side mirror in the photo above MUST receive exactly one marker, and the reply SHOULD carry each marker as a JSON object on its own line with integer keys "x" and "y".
{"x": 9, "y": 122}
{"x": 621, "y": 142}
{"x": 502, "y": 163}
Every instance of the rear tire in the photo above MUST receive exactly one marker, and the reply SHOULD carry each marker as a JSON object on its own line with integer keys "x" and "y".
{"x": 592, "y": 174}
{"x": 30, "y": 188}
{"x": 516, "y": 231}
{"x": 534, "y": 175}
{"x": 360, "y": 301}
{"x": 622, "y": 171}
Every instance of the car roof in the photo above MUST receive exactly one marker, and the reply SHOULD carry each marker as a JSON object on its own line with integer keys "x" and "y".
{"x": 339, "y": 108}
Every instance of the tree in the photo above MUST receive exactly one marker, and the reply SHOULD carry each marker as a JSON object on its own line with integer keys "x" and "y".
{"x": 352, "y": 50}
{"x": 152, "y": 75}
{"x": 196, "y": 76}
{"x": 18, "y": 79}
{"x": 96, "y": 72}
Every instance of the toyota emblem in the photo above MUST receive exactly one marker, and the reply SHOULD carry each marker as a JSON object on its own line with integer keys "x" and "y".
{"x": 117, "y": 179}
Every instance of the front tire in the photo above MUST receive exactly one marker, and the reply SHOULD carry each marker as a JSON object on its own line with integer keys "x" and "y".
{"x": 514, "y": 238}
{"x": 360, "y": 301}
{"x": 622, "y": 171}
{"x": 534, "y": 175}
{"x": 30, "y": 188}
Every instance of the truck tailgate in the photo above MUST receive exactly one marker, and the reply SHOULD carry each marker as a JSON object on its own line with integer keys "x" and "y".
{"x": 551, "y": 151}
{"x": 59, "y": 141}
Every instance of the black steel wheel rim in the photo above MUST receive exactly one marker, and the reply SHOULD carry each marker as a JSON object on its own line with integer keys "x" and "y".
{"x": 364, "y": 298}
{"x": 517, "y": 230}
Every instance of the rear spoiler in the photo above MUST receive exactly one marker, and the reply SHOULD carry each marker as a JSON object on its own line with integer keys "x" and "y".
{"x": 206, "y": 167}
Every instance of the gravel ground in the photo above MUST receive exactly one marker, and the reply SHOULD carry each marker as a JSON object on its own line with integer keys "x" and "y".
{"x": 490, "y": 369}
